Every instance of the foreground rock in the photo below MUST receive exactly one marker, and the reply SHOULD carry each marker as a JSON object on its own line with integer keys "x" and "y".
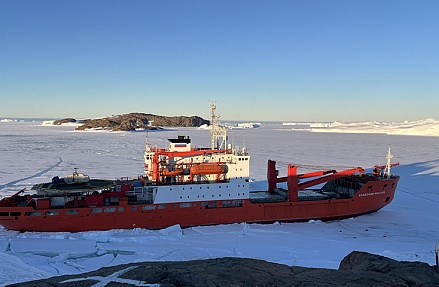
{"x": 356, "y": 269}
{"x": 134, "y": 121}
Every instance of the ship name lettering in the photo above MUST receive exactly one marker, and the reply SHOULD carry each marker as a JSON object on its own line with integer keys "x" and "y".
{"x": 372, "y": 193}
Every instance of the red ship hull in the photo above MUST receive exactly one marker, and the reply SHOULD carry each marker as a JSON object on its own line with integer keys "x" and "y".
{"x": 373, "y": 196}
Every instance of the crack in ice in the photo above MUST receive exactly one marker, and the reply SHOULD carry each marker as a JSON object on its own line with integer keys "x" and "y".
{"x": 104, "y": 280}
{"x": 32, "y": 176}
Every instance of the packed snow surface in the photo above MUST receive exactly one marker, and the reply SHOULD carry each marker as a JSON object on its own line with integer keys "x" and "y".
{"x": 407, "y": 229}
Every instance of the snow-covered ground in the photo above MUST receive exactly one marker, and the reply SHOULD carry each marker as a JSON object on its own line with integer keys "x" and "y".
{"x": 407, "y": 229}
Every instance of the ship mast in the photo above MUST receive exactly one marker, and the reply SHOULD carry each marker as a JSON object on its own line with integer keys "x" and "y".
{"x": 147, "y": 145}
{"x": 389, "y": 157}
{"x": 218, "y": 134}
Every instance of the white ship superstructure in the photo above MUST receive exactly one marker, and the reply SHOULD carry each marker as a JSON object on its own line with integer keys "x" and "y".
{"x": 203, "y": 174}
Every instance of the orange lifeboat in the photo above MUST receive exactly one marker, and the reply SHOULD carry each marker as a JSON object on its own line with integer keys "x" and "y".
{"x": 175, "y": 172}
{"x": 208, "y": 168}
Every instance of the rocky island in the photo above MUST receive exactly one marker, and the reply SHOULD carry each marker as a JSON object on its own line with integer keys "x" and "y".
{"x": 135, "y": 121}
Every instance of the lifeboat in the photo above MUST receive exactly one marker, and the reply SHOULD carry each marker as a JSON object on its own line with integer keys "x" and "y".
{"x": 175, "y": 172}
{"x": 207, "y": 168}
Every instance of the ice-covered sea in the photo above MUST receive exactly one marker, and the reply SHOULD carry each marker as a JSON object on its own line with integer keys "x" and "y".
{"x": 407, "y": 229}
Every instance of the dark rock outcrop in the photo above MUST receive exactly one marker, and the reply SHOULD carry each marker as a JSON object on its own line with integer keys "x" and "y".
{"x": 389, "y": 271}
{"x": 356, "y": 269}
{"x": 133, "y": 121}
{"x": 64, "y": 121}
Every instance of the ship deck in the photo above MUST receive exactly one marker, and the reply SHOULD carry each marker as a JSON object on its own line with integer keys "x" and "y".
{"x": 92, "y": 185}
{"x": 280, "y": 195}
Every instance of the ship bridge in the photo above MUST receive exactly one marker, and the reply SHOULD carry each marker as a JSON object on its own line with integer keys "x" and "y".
{"x": 181, "y": 143}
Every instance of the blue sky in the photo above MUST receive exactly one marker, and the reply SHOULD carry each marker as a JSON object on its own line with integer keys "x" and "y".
{"x": 260, "y": 60}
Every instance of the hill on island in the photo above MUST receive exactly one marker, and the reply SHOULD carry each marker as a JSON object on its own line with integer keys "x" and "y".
{"x": 135, "y": 121}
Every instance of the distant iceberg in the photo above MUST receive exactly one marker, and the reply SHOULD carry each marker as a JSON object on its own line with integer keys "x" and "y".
{"x": 296, "y": 123}
{"x": 234, "y": 126}
{"x": 245, "y": 126}
{"x": 204, "y": 127}
{"x": 425, "y": 127}
{"x": 7, "y": 121}
{"x": 320, "y": 125}
{"x": 310, "y": 124}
